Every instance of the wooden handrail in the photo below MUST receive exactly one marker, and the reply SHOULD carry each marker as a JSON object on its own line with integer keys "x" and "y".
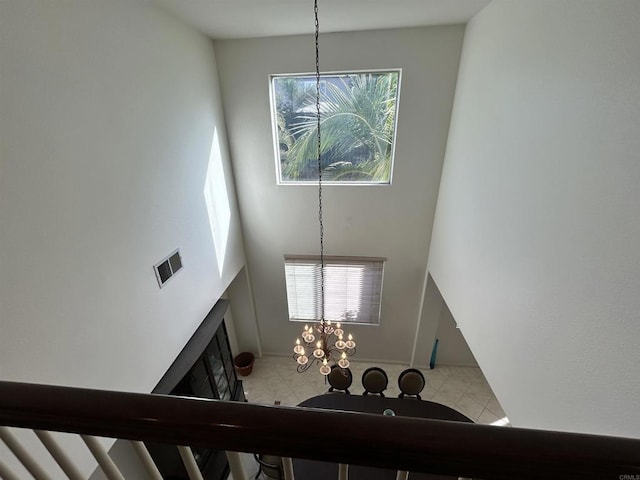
{"x": 421, "y": 445}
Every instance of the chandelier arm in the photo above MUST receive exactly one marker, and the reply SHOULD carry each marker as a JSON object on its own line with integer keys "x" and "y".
{"x": 313, "y": 361}
{"x": 305, "y": 367}
{"x": 333, "y": 350}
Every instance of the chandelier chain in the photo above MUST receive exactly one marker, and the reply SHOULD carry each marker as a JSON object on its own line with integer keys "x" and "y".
{"x": 320, "y": 220}
{"x": 324, "y": 339}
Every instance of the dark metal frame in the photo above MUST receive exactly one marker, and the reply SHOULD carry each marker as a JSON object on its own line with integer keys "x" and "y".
{"x": 262, "y": 463}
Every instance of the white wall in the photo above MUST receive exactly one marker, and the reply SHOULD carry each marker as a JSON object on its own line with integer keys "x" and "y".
{"x": 244, "y": 318}
{"x": 425, "y": 335}
{"x": 386, "y": 221}
{"x": 535, "y": 244}
{"x": 107, "y": 116}
{"x": 436, "y": 322}
{"x": 452, "y": 347}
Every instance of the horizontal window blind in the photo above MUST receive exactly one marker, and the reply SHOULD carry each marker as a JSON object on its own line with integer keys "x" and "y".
{"x": 352, "y": 287}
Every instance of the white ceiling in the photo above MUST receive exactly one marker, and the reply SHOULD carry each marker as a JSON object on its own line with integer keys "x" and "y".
{"x": 266, "y": 18}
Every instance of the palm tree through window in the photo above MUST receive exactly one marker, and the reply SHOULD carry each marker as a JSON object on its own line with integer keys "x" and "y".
{"x": 358, "y": 114}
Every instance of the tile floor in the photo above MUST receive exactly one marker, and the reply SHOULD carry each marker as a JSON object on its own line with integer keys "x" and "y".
{"x": 462, "y": 388}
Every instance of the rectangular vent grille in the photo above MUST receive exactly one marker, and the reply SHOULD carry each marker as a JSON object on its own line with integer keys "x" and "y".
{"x": 168, "y": 267}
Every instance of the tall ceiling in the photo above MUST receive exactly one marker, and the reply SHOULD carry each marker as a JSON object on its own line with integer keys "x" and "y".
{"x": 267, "y": 18}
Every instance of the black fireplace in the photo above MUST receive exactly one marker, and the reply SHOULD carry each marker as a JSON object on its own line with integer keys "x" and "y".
{"x": 204, "y": 369}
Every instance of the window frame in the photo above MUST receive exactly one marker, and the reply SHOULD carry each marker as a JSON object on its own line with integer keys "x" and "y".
{"x": 276, "y": 139}
{"x": 376, "y": 264}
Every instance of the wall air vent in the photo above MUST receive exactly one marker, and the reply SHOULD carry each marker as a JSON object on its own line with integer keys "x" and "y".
{"x": 168, "y": 267}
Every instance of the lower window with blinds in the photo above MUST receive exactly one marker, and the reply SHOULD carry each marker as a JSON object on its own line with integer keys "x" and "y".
{"x": 352, "y": 288}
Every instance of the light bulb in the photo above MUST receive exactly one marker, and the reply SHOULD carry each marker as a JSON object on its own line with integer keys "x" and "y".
{"x": 318, "y": 352}
{"x": 338, "y": 332}
{"x": 343, "y": 362}
{"x": 350, "y": 344}
{"x": 325, "y": 369}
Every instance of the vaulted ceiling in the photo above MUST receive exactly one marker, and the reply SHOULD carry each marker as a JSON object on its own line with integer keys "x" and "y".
{"x": 267, "y": 18}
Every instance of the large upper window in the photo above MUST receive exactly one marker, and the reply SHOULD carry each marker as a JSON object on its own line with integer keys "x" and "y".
{"x": 352, "y": 288}
{"x": 358, "y": 120}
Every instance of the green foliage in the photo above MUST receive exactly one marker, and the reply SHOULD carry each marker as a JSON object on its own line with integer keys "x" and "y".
{"x": 357, "y": 128}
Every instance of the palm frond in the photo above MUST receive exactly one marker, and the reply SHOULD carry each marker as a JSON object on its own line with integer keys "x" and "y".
{"x": 357, "y": 126}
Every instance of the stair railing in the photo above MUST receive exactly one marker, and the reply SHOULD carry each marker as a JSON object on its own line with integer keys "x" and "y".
{"x": 399, "y": 443}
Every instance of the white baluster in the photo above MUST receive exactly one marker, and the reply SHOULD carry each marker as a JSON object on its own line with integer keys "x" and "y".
{"x": 287, "y": 465}
{"x": 402, "y": 475}
{"x": 102, "y": 456}
{"x": 147, "y": 461}
{"x": 190, "y": 463}
{"x": 23, "y": 455}
{"x": 235, "y": 464}
{"x": 343, "y": 471}
{"x": 62, "y": 459}
{"x": 6, "y": 473}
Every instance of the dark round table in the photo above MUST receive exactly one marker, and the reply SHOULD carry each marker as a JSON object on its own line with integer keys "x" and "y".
{"x": 406, "y": 407}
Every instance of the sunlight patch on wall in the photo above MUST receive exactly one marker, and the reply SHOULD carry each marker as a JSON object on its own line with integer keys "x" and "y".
{"x": 217, "y": 200}
{"x": 503, "y": 422}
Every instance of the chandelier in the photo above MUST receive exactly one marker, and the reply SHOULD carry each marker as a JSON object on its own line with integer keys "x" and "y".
{"x": 325, "y": 341}
{"x": 330, "y": 347}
